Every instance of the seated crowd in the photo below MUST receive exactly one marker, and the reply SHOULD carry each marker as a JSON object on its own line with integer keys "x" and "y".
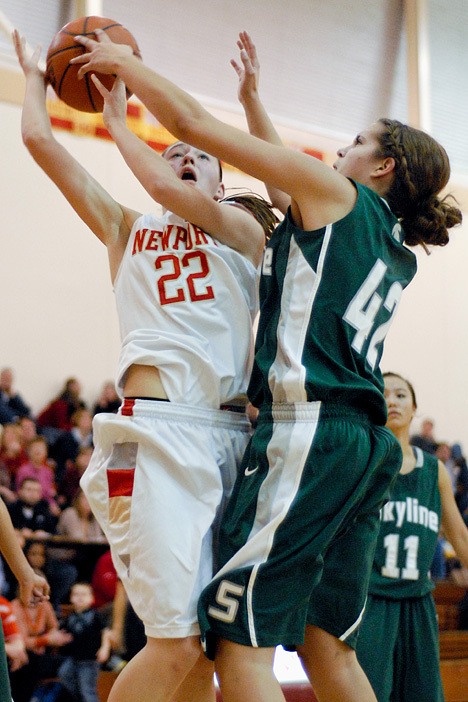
{"x": 42, "y": 459}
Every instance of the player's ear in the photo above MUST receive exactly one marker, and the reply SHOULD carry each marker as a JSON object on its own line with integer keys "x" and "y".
{"x": 386, "y": 166}
{"x": 220, "y": 192}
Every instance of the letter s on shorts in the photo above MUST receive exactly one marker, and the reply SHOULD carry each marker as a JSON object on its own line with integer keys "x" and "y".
{"x": 225, "y": 589}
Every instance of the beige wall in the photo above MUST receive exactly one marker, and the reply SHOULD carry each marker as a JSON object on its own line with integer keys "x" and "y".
{"x": 57, "y": 316}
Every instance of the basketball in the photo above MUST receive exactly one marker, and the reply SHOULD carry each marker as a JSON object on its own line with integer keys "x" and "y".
{"x": 62, "y": 76}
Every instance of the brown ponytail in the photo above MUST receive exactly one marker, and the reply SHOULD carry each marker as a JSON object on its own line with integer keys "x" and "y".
{"x": 422, "y": 170}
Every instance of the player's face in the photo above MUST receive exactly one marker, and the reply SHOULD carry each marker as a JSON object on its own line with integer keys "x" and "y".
{"x": 358, "y": 160}
{"x": 195, "y": 167}
{"x": 400, "y": 406}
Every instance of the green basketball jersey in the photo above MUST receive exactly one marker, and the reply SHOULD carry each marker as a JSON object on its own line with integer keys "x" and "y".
{"x": 327, "y": 300}
{"x": 409, "y": 528}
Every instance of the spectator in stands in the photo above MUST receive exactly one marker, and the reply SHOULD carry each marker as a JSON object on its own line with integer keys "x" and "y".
{"x": 33, "y": 588}
{"x": 56, "y": 417}
{"x": 12, "y": 451}
{"x": 69, "y": 485}
{"x": 127, "y": 632}
{"x": 425, "y": 439}
{"x": 38, "y": 466}
{"x": 104, "y": 581}
{"x": 15, "y": 647}
{"x": 77, "y": 522}
{"x": 12, "y": 404}
{"x": 89, "y": 648}
{"x": 31, "y": 514}
{"x": 6, "y": 492}
{"x": 28, "y": 429}
{"x": 66, "y": 447}
{"x": 60, "y": 574}
{"x": 461, "y": 478}
{"x": 455, "y": 464}
{"x": 108, "y": 400}
{"x": 32, "y": 517}
{"x": 40, "y": 630}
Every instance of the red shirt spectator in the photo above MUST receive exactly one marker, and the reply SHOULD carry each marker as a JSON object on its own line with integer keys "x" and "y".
{"x": 104, "y": 580}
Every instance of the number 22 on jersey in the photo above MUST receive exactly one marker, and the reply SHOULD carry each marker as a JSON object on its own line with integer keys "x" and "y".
{"x": 183, "y": 278}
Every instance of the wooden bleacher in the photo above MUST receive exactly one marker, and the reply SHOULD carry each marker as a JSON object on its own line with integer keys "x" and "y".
{"x": 453, "y": 642}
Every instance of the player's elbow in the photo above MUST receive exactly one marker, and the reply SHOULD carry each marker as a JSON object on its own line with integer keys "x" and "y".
{"x": 190, "y": 126}
{"x": 35, "y": 141}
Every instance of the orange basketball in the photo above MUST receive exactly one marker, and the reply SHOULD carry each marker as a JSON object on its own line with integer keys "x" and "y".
{"x": 82, "y": 94}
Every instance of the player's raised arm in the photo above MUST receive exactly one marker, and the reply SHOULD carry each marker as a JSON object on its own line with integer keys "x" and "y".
{"x": 103, "y": 215}
{"x": 321, "y": 194}
{"x": 258, "y": 120}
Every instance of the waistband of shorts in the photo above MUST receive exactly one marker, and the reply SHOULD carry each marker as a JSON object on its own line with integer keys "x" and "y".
{"x": 310, "y": 411}
{"x": 232, "y": 416}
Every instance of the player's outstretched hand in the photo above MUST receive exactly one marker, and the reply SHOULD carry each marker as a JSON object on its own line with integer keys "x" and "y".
{"x": 249, "y": 72}
{"x": 29, "y": 63}
{"x": 101, "y": 53}
{"x": 115, "y": 101}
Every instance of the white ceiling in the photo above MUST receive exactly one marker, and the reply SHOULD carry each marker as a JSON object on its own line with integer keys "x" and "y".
{"x": 329, "y": 67}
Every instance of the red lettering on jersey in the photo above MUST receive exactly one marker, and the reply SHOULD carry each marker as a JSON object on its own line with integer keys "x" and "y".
{"x": 189, "y": 241}
{"x": 200, "y": 236}
{"x": 153, "y": 240}
{"x": 165, "y": 236}
{"x": 139, "y": 241}
{"x": 180, "y": 237}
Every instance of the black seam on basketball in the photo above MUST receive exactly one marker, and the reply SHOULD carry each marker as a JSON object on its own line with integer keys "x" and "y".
{"x": 59, "y": 87}
{"x": 88, "y": 90}
{"x": 67, "y": 48}
{"x": 67, "y": 32}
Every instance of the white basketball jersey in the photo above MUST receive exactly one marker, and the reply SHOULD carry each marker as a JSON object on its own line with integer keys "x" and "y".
{"x": 186, "y": 305}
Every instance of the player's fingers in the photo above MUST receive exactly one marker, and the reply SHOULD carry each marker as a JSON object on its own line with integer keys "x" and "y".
{"x": 102, "y": 89}
{"x": 82, "y": 58}
{"x": 245, "y": 58}
{"x": 82, "y": 71}
{"x": 36, "y": 53}
{"x": 87, "y": 42}
{"x": 236, "y": 67}
{"x": 102, "y": 36}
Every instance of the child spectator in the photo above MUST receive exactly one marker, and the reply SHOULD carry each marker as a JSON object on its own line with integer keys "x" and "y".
{"x": 39, "y": 628}
{"x": 38, "y": 467}
{"x": 15, "y": 647}
{"x": 31, "y": 514}
{"x": 90, "y": 646}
